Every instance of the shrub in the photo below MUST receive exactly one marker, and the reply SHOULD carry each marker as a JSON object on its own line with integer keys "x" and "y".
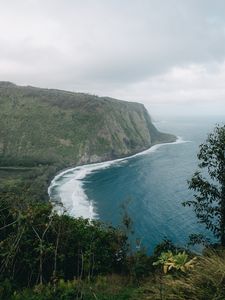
{"x": 206, "y": 281}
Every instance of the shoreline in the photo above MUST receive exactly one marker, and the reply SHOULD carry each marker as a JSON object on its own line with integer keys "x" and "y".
{"x": 112, "y": 160}
{"x": 67, "y": 185}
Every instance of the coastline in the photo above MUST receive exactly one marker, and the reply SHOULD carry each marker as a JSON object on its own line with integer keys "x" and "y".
{"x": 66, "y": 188}
{"x": 115, "y": 159}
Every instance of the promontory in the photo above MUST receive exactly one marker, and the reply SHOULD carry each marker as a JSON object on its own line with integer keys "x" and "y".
{"x": 49, "y": 127}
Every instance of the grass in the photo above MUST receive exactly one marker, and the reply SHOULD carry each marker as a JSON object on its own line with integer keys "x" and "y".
{"x": 205, "y": 282}
{"x": 111, "y": 287}
{"x": 33, "y": 182}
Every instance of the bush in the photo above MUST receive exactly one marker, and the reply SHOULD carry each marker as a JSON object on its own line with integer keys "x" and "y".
{"x": 140, "y": 266}
{"x": 6, "y": 289}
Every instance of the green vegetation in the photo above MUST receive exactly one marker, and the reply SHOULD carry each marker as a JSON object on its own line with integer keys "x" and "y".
{"x": 178, "y": 261}
{"x": 43, "y": 131}
{"x": 30, "y": 181}
{"x": 38, "y": 246}
{"x": 40, "y": 126}
{"x": 45, "y": 256}
{"x": 204, "y": 282}
{"x": 209, "y": 186}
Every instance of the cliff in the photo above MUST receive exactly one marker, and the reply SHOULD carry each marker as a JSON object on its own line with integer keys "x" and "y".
{"x": 43, "y": 126}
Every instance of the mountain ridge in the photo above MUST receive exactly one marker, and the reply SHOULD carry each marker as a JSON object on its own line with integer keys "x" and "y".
{"x": 49, "y": 125}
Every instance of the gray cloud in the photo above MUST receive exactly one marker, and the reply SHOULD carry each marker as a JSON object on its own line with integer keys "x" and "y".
{"x": 147, "y": 50}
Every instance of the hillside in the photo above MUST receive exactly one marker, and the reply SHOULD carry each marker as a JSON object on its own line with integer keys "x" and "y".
{"x": 41, "y": 126}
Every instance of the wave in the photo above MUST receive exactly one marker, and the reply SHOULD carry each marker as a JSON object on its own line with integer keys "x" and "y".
{"x": 67, "y": 192}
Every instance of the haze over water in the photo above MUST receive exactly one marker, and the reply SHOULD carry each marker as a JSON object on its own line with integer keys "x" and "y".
{"x": 155, "y": 183}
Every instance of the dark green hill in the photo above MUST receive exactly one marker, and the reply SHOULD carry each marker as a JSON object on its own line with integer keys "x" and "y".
{"x": 42, "y": 126}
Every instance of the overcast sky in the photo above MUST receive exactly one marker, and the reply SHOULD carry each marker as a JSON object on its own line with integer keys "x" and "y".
{"x": 167, "y": 54}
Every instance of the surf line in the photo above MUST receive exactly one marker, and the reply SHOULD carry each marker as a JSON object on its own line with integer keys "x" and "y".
{"x": 67, "y": 192}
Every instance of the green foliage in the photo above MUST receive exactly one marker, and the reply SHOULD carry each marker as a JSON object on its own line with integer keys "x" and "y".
{"x": 195, "y": 239}
{"x": 204, "y": 282}
{"x": 179, "y": 261}
{"x": 164, "y": 246}
{"x": 41, "y": 132}
{"x": 209, "y": 197}
{"x": 47, "y": 127}
{"x": 46, "y": 131}
{"x": 109, "y": 288}
{"x": 28, "y": 182}
{"x": 139, "y": 265}
{"x": 6, "y": 289}
{"x": 40, "y": 246}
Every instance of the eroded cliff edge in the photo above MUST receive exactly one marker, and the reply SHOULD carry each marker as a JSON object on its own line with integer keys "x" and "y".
{"x": 43, "y": 126}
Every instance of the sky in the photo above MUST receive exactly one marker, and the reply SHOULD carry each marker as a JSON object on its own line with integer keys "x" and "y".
{"x": 166, "y": 54}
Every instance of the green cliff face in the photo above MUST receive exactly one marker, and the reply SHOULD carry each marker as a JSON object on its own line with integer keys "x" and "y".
{"x": 44, "y": 127}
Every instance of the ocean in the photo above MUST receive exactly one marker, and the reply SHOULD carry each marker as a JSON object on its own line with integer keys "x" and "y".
{"x": 151, "y": 185}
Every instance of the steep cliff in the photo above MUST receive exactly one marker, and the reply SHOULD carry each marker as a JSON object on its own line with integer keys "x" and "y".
{"x": 42, "y": 126}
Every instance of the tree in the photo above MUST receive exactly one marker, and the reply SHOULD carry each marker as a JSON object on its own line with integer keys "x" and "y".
{"x": 208, "y": 183}
{"x": 39, "y": 246}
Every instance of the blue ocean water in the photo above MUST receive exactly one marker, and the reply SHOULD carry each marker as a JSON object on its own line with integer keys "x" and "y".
{"x": 155, "y": 183}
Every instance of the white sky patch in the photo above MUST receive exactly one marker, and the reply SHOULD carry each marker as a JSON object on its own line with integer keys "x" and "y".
{"x": 153, "y": 51}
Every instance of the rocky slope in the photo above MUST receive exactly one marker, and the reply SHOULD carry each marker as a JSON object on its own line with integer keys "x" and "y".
{"x": 42, "y": 126}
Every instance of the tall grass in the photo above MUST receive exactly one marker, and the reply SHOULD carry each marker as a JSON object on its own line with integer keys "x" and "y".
{"x": 205, "y": 282}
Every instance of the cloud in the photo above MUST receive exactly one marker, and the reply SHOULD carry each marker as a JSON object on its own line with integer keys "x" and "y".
{"x": 147, "y": 50}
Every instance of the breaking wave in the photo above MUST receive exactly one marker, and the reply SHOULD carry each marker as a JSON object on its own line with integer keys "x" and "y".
{"x": 67, "y": 192}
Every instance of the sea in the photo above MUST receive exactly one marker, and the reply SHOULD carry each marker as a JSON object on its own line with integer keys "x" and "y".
{"x": 149, "y": 187}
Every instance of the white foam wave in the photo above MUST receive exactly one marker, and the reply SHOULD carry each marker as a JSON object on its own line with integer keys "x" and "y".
{"x": 67, "y": 192}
